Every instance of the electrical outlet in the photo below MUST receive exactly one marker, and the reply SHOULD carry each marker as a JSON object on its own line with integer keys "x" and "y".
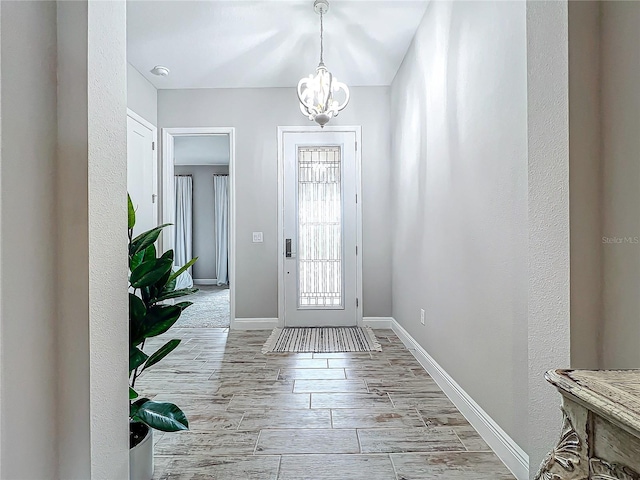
{"x": 422, "y": 316}
{"x": 257, "y": 237}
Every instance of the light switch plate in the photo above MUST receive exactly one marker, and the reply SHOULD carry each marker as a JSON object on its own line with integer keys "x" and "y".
{"x": 257, "y": 237}
{"x": 422, "y": 316}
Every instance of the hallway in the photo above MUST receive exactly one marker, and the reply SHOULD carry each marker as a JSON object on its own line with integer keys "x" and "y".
{"x": 309, "y": 416}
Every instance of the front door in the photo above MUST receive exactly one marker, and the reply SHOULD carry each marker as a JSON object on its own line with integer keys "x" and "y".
{"x": 320, "y": 229}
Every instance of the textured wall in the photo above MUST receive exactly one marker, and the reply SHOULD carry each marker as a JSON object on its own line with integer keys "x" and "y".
{"x": 28, "y": 232}
{"x": 92, "y": 265}
{"x": 256, "y": 114}
{"x": 108, "y": 272}
{"x": 548, "y": 139}
{"x": 459, "y": 200}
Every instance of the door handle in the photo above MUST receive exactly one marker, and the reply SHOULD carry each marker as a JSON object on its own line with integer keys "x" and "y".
{"x": 287, "y": 249}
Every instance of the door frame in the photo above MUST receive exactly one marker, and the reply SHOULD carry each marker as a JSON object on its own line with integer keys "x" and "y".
{"x": 154, "y": 131}
{"x": 357, "y": 129}
{"x": 167, "y": 201}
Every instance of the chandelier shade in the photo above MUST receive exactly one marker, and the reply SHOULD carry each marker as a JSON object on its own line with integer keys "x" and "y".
{"x": 321, "y": 95}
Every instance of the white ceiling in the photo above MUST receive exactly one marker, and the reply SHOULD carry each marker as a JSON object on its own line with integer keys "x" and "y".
{"x": 268, "y": 43}
{"x": 201, "y": 150}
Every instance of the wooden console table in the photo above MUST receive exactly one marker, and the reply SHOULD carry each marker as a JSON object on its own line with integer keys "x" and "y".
{"x": 600, "y": 437}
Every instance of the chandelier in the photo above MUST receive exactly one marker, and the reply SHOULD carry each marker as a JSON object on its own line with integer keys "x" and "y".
{"x": 317, "y": 94}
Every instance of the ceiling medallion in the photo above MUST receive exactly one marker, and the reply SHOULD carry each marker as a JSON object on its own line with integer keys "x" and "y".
{"x": 317, "y": 94}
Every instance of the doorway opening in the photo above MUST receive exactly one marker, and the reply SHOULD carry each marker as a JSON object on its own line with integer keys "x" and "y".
{"x": 197, "y": 198}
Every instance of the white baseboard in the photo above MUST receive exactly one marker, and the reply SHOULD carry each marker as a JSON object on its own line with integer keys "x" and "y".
{"x": 205, "y": 281}
{"x": 502, "y": 444}
{"x": 377, "y": 322}
{"x": 254, "y": 324}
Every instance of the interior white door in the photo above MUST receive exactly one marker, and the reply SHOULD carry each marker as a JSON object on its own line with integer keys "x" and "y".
{"x": 320, "y": 229}
{"x": 141, "y": 174}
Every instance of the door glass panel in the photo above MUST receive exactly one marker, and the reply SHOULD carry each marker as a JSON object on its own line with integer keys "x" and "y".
{"x": 320, "y": 275}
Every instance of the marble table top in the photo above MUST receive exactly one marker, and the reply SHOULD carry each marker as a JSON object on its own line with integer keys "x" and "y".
{"x": 612, "y": 394}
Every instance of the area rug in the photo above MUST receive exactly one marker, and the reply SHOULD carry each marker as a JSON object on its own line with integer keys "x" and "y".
{"x": 321, "y": 340}
{"x": 210, "y": 308}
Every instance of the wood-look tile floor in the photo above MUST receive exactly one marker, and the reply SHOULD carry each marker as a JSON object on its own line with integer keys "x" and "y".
{"x": 345, "y": 416}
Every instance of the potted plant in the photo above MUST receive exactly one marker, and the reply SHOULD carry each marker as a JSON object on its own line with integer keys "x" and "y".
{"x": 152, "y": 281}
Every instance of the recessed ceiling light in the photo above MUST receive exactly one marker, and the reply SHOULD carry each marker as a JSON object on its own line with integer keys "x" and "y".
{"x": 160, "y": 71}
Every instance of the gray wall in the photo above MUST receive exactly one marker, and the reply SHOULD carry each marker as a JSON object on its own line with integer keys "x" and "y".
{"x": 28, "y": 249}
{"x": 459, "y": 200}
{"x": 142, "y": 97}
{"x": 585, "y": 184}
{"x": 256, "y": 114}
{"x": 203, "y": 217}
{"x": 621, "y": 158}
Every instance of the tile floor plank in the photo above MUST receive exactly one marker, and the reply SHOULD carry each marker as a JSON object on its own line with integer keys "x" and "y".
{"x": 226, "y": 442}
{"x": 275, "y": 418}
{"x": 375, "y": 418}
{"x": 325, "y": 386}
{"x": 334, "y": 467}
{"x": 350, "y": 400}
{"x": 471, "y": 439}
{"x": 312, "y": 374}
{"x": 450, "y": 466}
{"x": 283, "y": 401}
{"x": 195, "y": 467}
{"x": 399, "y": 440}
{"x": 294, "y": 362}
{"x": 276, "y": 442}
{"x": 435, "y": 416}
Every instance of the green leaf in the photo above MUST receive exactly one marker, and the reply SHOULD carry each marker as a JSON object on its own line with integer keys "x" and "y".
{"x": 149, "y": 272}
{"x": 165, "y": 417}
{"x": 170, "y": 286}
{"x": 137, "y": 310}
{"x": 168, "y": 254}
{"x": 131, "y": 213}
{"x": 182, "y": 269}
{"x": 162, "y": 352}
{"x": 149, "y": 253}
{"x": 132, "y": 394}
{"x": 184, "y": 305}
{"x": 136, "y": 358}
{"x": 176, "y": 294}
{"x": 135, "y": 406}
{"x": 137, "y": 314}
{"x": 142, "y": 241}
{"x": 136, "y": 260}
{"x": 160, "y": 285}
{"x": 159, "y": 319}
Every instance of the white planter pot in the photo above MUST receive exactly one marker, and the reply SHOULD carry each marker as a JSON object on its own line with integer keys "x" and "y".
{"x": 141, "y": 459}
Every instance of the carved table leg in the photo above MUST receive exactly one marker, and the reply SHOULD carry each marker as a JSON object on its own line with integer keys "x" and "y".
{"x": 569, "y": 459}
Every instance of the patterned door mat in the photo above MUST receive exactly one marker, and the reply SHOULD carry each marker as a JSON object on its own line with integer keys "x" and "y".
{"x": 322, "y": 340}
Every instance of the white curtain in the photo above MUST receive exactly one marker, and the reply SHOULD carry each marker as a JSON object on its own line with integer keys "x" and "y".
{"x": 183, "y": 249}
{"x": 221, "y": 216}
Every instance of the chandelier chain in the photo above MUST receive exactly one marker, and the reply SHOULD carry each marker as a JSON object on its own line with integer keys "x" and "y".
{"x": 321, "y": 38}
